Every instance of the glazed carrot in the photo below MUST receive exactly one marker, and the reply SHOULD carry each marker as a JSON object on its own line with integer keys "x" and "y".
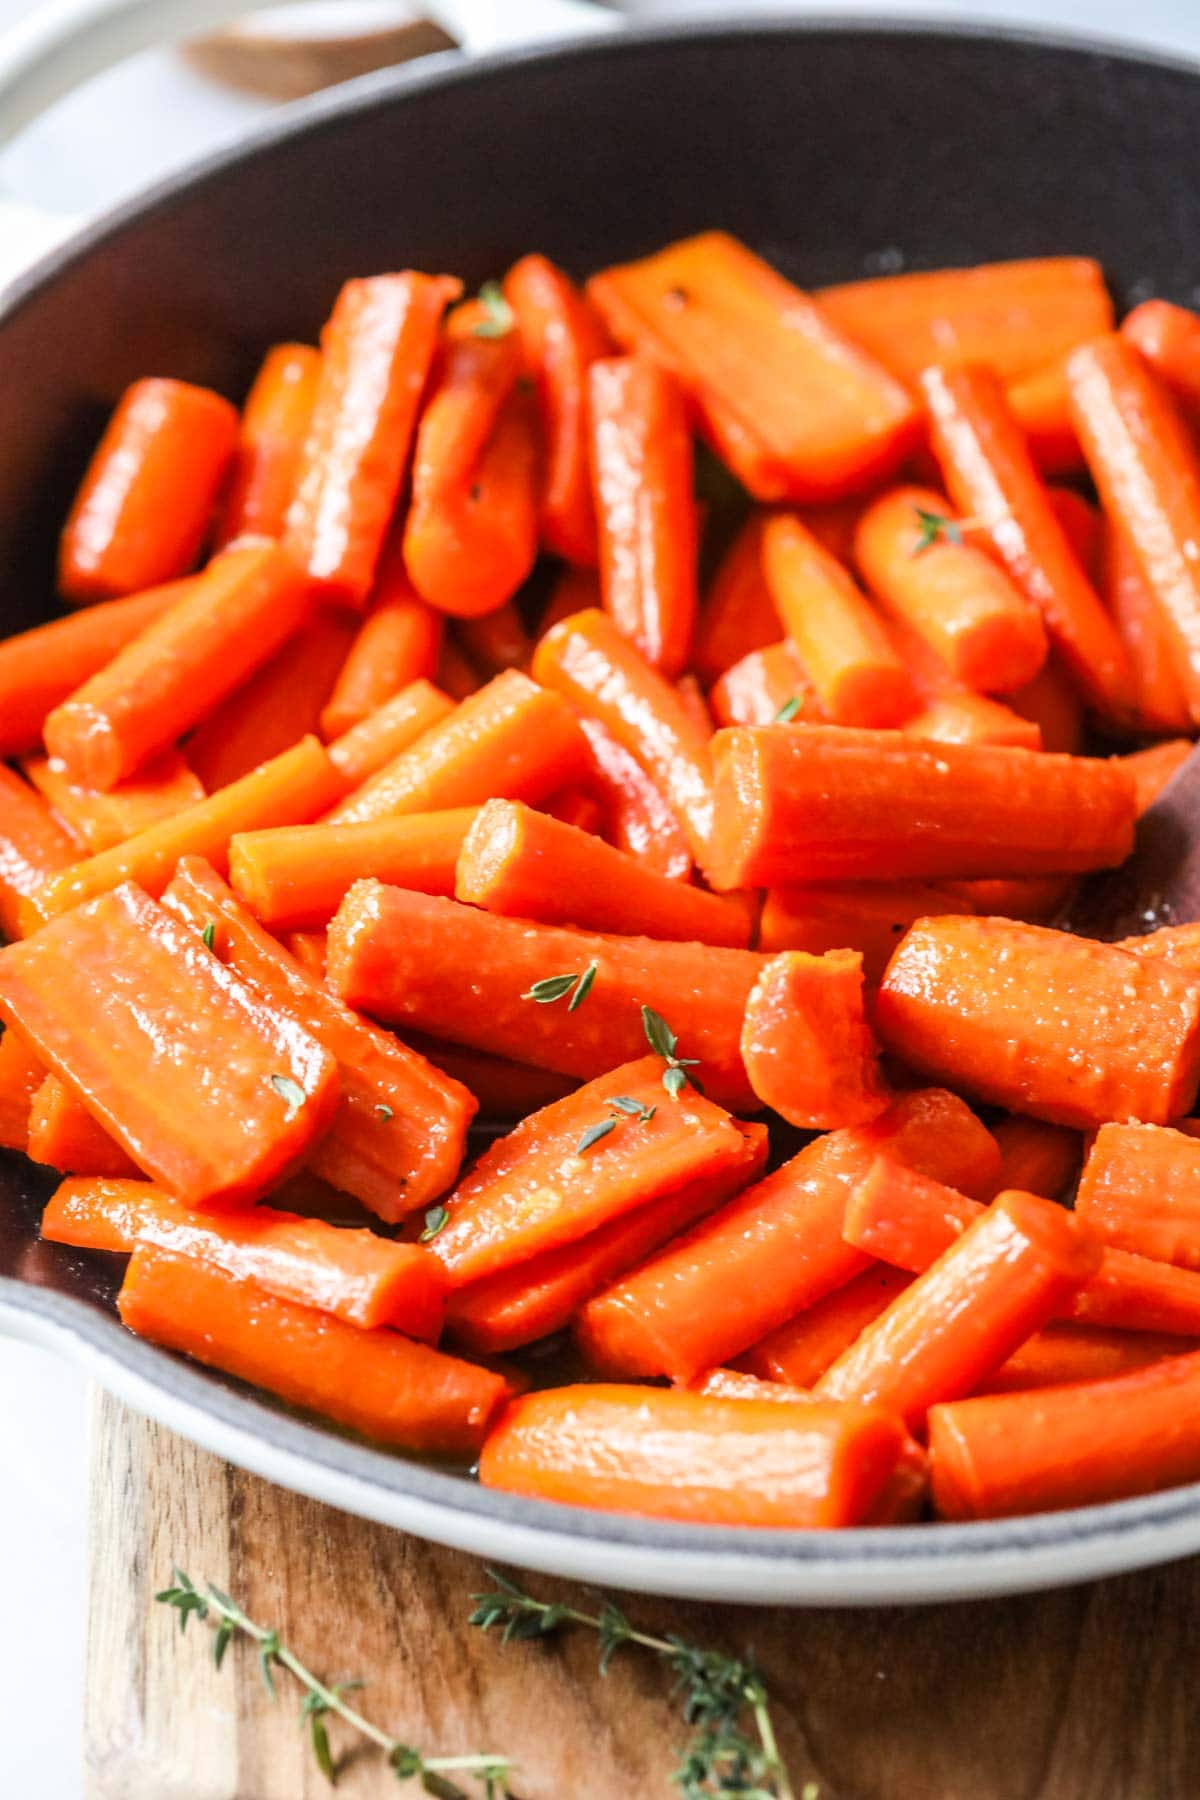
{"x": 208, "y": 1089}
{"x": 732, "y": 1384}
{"x": 1154, "y": 768}
{"x": 376, "y": 1382}
{"x": 227, "y": 623}
{"x": 1159, "y": 701}
{"x": 280, "y": 704}
{"x": 1178, "y": 945}
{"x": 679, "y": 1455}
{"x": 33, "y": 849}
{"x": 843, "y": 645}
{"x": 456, "y": 673}
{"x": 504, "y": 1089}
{"x": 533, "y": 1298}
{"x": 1005, "y": 1277}
{"x": 586, "y": 659}
{"x": 1050, "y": 702}
{"x": 1034, "y": 900}
{"x": 21, "y": 1075}
{"x": 954, "y": 595}
{"x": 950, "y": 711}
{"x": 1072, "y": 1446}
{"x": 576, "y": 590}
{"x": 159, "y": 790}
{"x": 63, "y": 1134}
{"x": 808, "y": 1049}
{"x": 529, "y": 866}
{"x": 496, "y": 640}
{"x": 870, "y": 917}
{"x": 270, "y": 446}
{"x": 288, "y": 790}
{"x": 1036, "y": 1157}
{"x": 765, "y": 685}
{"x": 561, "y": 337}
{"x": 634, "y": 814}
{"x": 821, "y": 803}
{"x": 801, "y": 1351}
{"x": 397, "y": 643}
{"x": 991, "y": 477}
{"x": 692, "y": 695}
{"x": 738, "y": 614}
{"x": 1041, "y": 404}
{"x": 1169, "y": 338}
{"x": 146, "y": 501}
{"x": 370, "y": 745}
{"x": 296, "y": 877}
{"x": 1060, "y": 1355}
{"x": 1014, "y": 316}
{"x": 398, "y": 1135}
{"x": 308, "y": 948}
{"x": 377, "y": 348}
{"x": 512, "y": 739}
{"x": 572, "y": 806}
{"x": 421, "y": 963}
{"x": 1139, "y": 1191}
{"x": 775, "y": 1250}
{"x": 1084, "y": 526}
{"x": 354, "y": 1275}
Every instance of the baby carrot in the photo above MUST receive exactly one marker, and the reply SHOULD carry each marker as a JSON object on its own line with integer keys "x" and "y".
{"x": 375, "y": 1382}
{"x": 1040, "y": 402}
{"x": 308, "y": 948}
{"x": 1036, "y": 1157}
{"x": 576, "y": 590}
{"x": 496, "y": 640}
{"x": 456, "y": 673}
{"x": 1178, "y": 945}
{"x": 1050, "y": 702}
{"x": 1085, "y": 528}
{"x": 274, "y": 428}
{"x": 397, "y": 643}
{"x": 1060, "y": 1355}
{"x": 377, "y": 348}
{"x": 1140, "y": 1191}
{"x": 1169, "y": 338}
{"x": 634, "y": 814}
{"x": 33, "y": 849}
{"x": 766, "y": 686}
{"x": 867, "y": 916}
{"x": 296, "y": 877}
{"x": 159, "y": 790}
{"x": 808, "y": 1049}
{"x": 950, "y": 711}
{"x": 1155, "y": 767}
{"x": 1159, "y": 701}
{"x": 224, "y": 625}
{"x": 732, "y": 1384}
{"x": 21, "y": 1075}
{"x": 140, "y": 516}
{"x": 572, "y": 806}
{"x": 738, "y": 614}
{"x": 64, "y": 1135}
{"x": 800, "y": 1351}
{"x": 365, "y": 748}
{"x": 504, "y": 1089}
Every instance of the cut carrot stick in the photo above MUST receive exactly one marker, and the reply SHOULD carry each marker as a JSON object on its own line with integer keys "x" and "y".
{"x": 397, "y": 643}
{"x": 801, "y": 1351}
{"x": 791, "y": 405}
{"x": 528, "y": 866}
{"x": 354, "y": 1275}
{"x": 821, "y": 803}
{"x": 421, "y": 963}
{"x": 308, "y": 948}
{"x": 513, "y": 739}
{"x": 270, "y": 446}
{"x": 843, "y": 645}
{"x": 289, "y": 790}
{"x": 1039, "y": 1021}
{"x": 766, "y": 686}
{"x": 634, "y": 814}
{"x": 1036, "y": 1157}
{"x": 1085, "y": 529}
{"x": 377, "y": 348}
{"x": 398, "y": 1136}
{"x": 1040, "y": 402}
{"x": 1154, "y": 768}
{"x": 207, "y": 1088}
{"x": 63, "y": 1134}
{"x": 1034, "y": 899}
{"x": 21, "y": 1075}
{"x": 738, "y": 614}
{"x": 732, "y": 1384}
{"x": 775, "y": 1250}
{"x": 296, "y": 877}
{"x": 1159, "y": 701}
{"x": 33, "y": 849}
{"x": 870, "y": 917}
{"x": 378, "y": 738}
{"x": 576, "y": 590}
{"x": 951, "y": 712}
{"x": 1169, "y": 338}
{"x": 678, "y": 1455}
{"x": 1140, "y": 1191}
{"x": 808, "y": 1049}
{"x": 226, "y": 623}
{"x": 504, "y": 1089}
{"x": 572, "y": 806}
{"x": 1050, "y": 702}
{"x": 991, "y": 478}
{"x": 146, "y": 501}
{"x": 1073, "y": 1446}
{"x": 640, "y": 454}
{"x": 375, "y": 1382}
{"x": 1178, "y": 945}
{"x": 496, "y": 640}
{"x": 159, "y": 790}
{"x": 953, "y": 594}
{"x": 1060, "y": 1355}
{"x": 456, "y": 673}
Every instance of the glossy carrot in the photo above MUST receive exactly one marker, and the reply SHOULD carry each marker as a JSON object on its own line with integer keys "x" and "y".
{"x": 377, "y": 348}
{"x": 354, "y": 1275}
{"x": 21, "y": 1075}
{"x": 504, "y": 1089}
{"x": 64, "y": 1135}
{"x": 1050, "y": 702}
{"x": 1154, "y": 768}
{"x": 1159, "y": 701}
{"x": 296, "y": 877}
{"x": 397, "y": 643}
{"x": 456, "y": 673}
{"x": 575, "y": 590}
{"x": 33, "y": 849}
{"x": 790, "y": 404}
{"x": 801, "y": 1351}
{"x": 147, "y": 498}
{"x": 398, "y": 1135}
{"x": 208, "y": 1089}
{"x": 496, "y": 640}
{"x": 1041, "y": 404}
{"x": 1140, "y": 1191}
{"x": 991, "y": 477}
{"x": 950, "y": 711}
{"x": 1061, "y": 1355}
{"x": 224, "y": 625}
{"x": 369, "y": 746}
{"x": 375, "y": 1382}
{"x": 733, "y": 1384}
{"x": 1036, "y": 1157}
{"x": 766, "y": 686}
{"x": 820, "y": 803}
{"x": 738, "y": 614}
{"x": 634, "y": 813}
{"x": 1032, "y": 899}
{"x": 573, "y": 806}
{"x": 1168, "y": 337}
{"x": 270, "y": 446}
{"x": 870, "y": 917}
{"x": 1178, "y": 945}
{"x": 1084, "y": 526}
{"x": 809, "y": 1052}
{"x": 159, "y": 790}
{"x": 308, "y": 948}
{"x": 402, "y": 958}
{"x": 679, "y": 1455}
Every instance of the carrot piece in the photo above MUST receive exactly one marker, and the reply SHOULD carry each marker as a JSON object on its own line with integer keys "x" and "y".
{"x": 308, "y": 948}
{"x": 456, "y": 673}
{"x": 738, "y": 614}
{"x": 528, "y": 866}
{"x": 808, "y": 1049}
{"x": 991, "y": 477}
{"x": 33, "y": 849}
{"x": 953, "y": 594}
{"x": 766, "y": 687}
{"x": 1139, "y": 1192}
{"x": 870, "y": 917}
{"x": 572, "y": 806}
{"x": 399, "y": 1132}
{"x": 354, "y": 1275}
{"x": 159, "y": 790}
{"x": 533, "y": 1298}
{"x": 496, "y": 640}
{"x": 421, "y": 963}
{"x": 576, "y": 590}
{"x": 1080, "y": 1445}
{"x": 634, "y": 814}
{"x": 1154, "y": 768}
{"x": 393, "y": 726}
{"x": 296, "y": 877}
{"x": 21, "y": 1075}
{"x": 270, "y": 446}
{"x": 1036, "y": 1157}
{"x": 1169, "y": 338}
{"x": 376, "y": 1382}
{"x": 208, "y": 1089}
{"x": 800, "y": 1351}
{"x": 680, "y": 1455}
{"x": 504, "y": 1089}
{"x": 1060, "y": 1355}
{"x": 775, "y": 1250}
{"x": 951, "y": 712}
{"x": 513, "y": 739}
{"x": 1040, "y": 402}
{"x": 1050, "y": 702}
{"x": 280, "y": 704}
{"x": 226, "y": 623}
{"x": 823, "y": 803}
{"x": 397, "y": 644}
{"x": 1178, "y": 945}
{"x": 1084, "y": 527}
{"x": 1159, "y": 701}
{"x": 63, "y": 1134}
{"x": 288, "y": 790}
{"x": 732, "y": 1384}
{"x": 146, "y": 500}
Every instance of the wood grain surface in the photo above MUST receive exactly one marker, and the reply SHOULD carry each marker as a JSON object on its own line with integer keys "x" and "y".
{"x": 1086, "y": 1694}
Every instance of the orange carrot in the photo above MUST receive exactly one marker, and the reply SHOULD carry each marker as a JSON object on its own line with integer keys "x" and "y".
{"x": 732, "y": 1384}
{"x": 63, "y": 1134}
{"x": 21, "y": 1075}
{"x": 950, "y": 711}
{"x": 496, "y": 640}
{"x": 270, "y": 446}
{"x": 1036, "y": 1157}
{"x": 572, "y": 806}
{"x": 1158, "y": 697}
{"x": 1041, "y": 404}
{"x": 822, "y": 803}
{"x": 159, "y": 790}
{"x": 33, "y": 849}
{"x": 1050, "y": 702}
{"x": 1154, "y": 768}
{"x": 1034, "y": 899}
{"x": 634, "y": 814}
{"x": 766, "y": 686}
{"x": 808, "y": 1049}
{"x": 375, "y": 740}
{"x": 504, "y": 1089}
{"x": 226, "y": 623}
{"x": 456, "y": 673}
{"x": 790, "y": 404}
{"x": 376, "y": 1382}
{"x": 308, "y": 948}
{"x": 1139, "y": 1192}
{"x": 800, "y": 1351}
{"x": 1084, "y": 527}
{"x": 1169, "y": 338}
{"x": 738, "y": 614}
{"x": 1178, "y": 945}
{"x": 576, "y": 590}
{"x": 397, "y": 643}
{"x": 296, "y": 877}
{"x": 146, "y": 501}
{"x": 870, "y": 917}
{"x": 1060, "y": 1355}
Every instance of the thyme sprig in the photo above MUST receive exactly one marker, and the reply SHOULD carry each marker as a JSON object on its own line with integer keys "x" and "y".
{"x": 790, "y": 708}
{"x": 664, "y": 1043}
{"x": 555, "y": 987}
{"x": 499, "y": 319}
{"x": 936, "y": 525}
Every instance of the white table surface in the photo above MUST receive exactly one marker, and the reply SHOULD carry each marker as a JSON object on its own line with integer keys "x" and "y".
{"x": 99, "y": 146}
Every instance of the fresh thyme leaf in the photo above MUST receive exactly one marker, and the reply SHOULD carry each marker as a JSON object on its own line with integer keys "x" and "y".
{"x": 385, "y": 1112}
{"x": 634, "y": 1108}
{"x": 583, "y": 987}
{"x": 221, "y": 1639}
{"x": 659, "y": 1036}
{"x": 435, "y": 1218}
{"x": 675, "y": 1080}
{"x": 320, "y": 1744}
{"x": 292, "y": 1092}
{"x": 788, "y": 711}
{"x": 208, "y": 934}
{"x": 594, "y": 1133}
{"x": 551, "y": 988}
{"x": 499, "y": 321}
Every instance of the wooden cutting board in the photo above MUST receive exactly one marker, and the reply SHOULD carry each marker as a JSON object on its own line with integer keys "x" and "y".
{"x": 1086, "y": 1694}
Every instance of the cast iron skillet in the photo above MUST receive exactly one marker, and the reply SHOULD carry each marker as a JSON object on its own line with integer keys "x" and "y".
{"x": 830, "y": 148}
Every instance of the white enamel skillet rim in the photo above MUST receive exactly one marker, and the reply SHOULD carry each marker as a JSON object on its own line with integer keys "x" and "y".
{"x": 880, "y": 1565}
